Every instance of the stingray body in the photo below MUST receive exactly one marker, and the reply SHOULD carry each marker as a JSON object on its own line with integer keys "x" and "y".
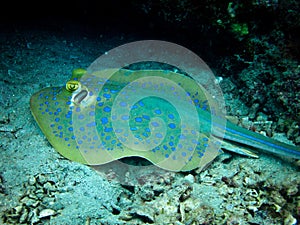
{"x": 162, "y": 116}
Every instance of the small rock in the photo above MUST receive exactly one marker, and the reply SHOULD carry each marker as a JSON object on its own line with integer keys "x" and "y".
{"x": 290, "y": 220}
{"x": 24, "y": 216}
{"x": 31, "y": 181}
{"x": 41, "y": 178}
{"x": 46, "y": 213}
{"x": 146, "y": 214}
{"x": 190, "y": 178}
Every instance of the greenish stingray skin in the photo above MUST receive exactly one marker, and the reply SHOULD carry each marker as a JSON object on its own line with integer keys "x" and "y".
{"x": 81, "y": 123}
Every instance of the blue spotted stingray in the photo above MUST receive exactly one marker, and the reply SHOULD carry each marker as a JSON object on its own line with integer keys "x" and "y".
{"x": 162, "y": 116}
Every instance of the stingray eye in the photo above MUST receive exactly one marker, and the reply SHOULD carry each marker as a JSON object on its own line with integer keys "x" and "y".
{"x": 72, "y": 85}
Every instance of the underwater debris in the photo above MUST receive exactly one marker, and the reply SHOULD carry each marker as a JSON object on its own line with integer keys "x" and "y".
{"x": 36, "y": 204}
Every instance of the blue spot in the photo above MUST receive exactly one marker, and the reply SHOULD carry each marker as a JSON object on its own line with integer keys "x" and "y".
{"x": 81, "y": 129}
{"x": 204, "y": 107}
{"x": 171, "y": 116}
{"x": 205, "y": 145}
{"x": 123, "y": 104}
{"x": 205, "y": 139}
{"x": 196, "y": 101}
{"x": 78, "y": 109}
{"x": 54, "y": 98}
{"x": 58, "y": 109}
{"x": 141, "y": 103}
{"x": 125, "y": 117}
{"x": 157, "y": 111}
{"x": 47, "y": 103}
{"x": 138, "y": 119}
{"x": 106, "y": 109}
{"x": 59, "y": 127}
{"x": 182, "y": 136}
{"x": 107, "y": 138}
{"x": 118, "y": 130}
{"x": 70, "y": 128}
{"x": 172, "y": 125}
{"x": 158, "y": 135}
{"x": 183, "y": 154}
{"x": 80, "y": 142}
{"x": 171, "y": 143}
{"x": 106, "y": 95}
{"x": 66, "y": 139}
{"x": 133, "y": 128}
{"x": 146, "y": 117}
{"x": 108, "y": 129}
{"x": 194, "y": 141}
{"x": 95, "y": 138}
{"x": 174, "y": 157}
{"x": 73, "y": 137}
{"x": 80, "y": 116}
{"x": 165, "y": 147}
{"x": 92, "y": 124}
{"x": 147, "y": 129}
{"x": 91, "y": 93}
{"x": 104, "y": 120}
{"x": 84, "y": 137}
{"x": 100, "y": 104}
{"x": 155, "y": 124}
{"x": 98, "y": 99}
{"x": 57, "y": 119}
{"x": 68, "y": 102}
{"x": 167, "y": 155}
{"x": 52, "y": 125}
{"x": 92, "y": 113}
